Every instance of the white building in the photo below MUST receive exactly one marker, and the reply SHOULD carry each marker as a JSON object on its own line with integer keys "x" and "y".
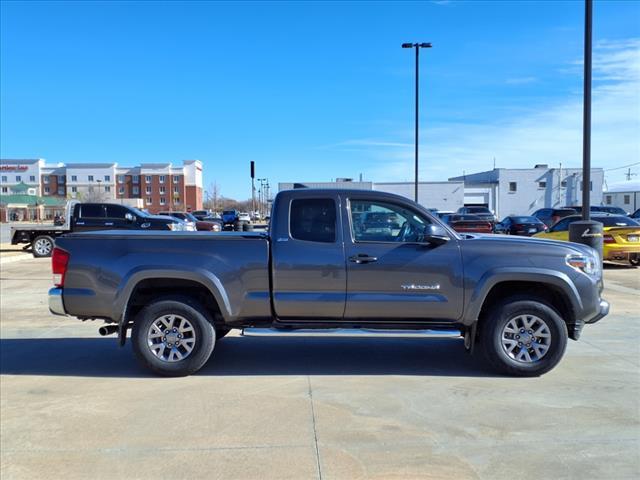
{"x": 625, "y": 195}
{"x": 522, "y": 191}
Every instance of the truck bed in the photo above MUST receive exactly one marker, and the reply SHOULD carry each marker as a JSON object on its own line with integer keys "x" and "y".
{"x": 108, "y": 265}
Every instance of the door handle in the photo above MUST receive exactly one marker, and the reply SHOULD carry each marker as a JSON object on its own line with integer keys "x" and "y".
{"x": 362, "y": 258}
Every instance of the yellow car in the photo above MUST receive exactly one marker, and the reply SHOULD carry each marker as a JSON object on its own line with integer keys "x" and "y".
{"x": 621, "y": 236}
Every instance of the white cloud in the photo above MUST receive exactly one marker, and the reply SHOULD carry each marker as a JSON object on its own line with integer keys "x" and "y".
{"x": 550, "y": 134}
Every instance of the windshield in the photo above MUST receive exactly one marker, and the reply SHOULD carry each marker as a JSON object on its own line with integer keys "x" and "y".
{"x": 478, "y": 210}
{"x": 616, "y": 221}
{"x": 190, "y": 217}
{"x": 229, "y": 212}
{"x": 140, "y": 213}
{"x": 525, "y": 220}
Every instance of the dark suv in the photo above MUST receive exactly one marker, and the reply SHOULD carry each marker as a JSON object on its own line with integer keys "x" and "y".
{"x": 549, "y": 216}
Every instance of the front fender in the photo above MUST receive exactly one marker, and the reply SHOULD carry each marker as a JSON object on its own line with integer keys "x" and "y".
{"x": 541, "y": 276}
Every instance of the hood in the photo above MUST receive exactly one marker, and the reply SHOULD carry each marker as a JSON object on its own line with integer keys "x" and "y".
{"x": 534, "y": 244}
{"x": 162, "y": 218}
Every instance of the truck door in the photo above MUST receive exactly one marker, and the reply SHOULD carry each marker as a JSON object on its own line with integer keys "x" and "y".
{"x": 308, "y": 266}
{"x": 116, "y": 217}
{"x": 392, "y": 274}
{"x": 88, "y": 217}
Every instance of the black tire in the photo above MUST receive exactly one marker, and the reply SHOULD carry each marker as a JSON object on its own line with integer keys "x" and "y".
{"x": 634, "y": 259}
{"x": 491, "y": 332}
{"x": 247, "y": 227}
{"x": 42, "y": 246}
{"x": 205, "y": 337}
{"x": 237, "y": 226}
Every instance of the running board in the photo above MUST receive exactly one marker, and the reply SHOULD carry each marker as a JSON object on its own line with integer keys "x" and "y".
{"x": 348, "y": 332}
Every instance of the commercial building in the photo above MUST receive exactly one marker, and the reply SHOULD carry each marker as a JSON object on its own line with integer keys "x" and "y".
{"x": 521, "y": 191}
{"x": 152, "y": 186}
{"x": 444, "y": 196}
{"x": 625, "y": 195}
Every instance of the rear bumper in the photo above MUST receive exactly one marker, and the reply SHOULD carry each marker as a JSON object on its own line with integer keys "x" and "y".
{"x": 56, "y": 305}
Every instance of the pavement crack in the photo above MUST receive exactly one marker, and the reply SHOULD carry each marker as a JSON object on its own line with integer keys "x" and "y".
{"x": 315, "y": 431}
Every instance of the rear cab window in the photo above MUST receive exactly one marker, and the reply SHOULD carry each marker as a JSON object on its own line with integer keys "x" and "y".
{"x": 313, "y": 220}
{"x": 88, "y": 210}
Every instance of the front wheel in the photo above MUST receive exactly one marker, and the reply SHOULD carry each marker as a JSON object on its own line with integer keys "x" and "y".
{"x": 634, "y": 259}
{"x": 172, "y": 338}
{"x": 523, "y": 337}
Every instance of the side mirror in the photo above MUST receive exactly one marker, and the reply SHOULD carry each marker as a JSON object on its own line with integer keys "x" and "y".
{"x": 435, "y": 234}
{"x": 129, "y": 217}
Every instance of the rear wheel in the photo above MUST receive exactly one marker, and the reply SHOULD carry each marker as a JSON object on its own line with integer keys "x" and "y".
{"x": 42, "y": 246}
{"x": 634, "y": 259}
{"x": 172, "y": 338}
{"x": 523, "y": 337}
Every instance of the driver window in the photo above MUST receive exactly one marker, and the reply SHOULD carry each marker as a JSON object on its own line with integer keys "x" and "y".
{"x": 373, "y": 221}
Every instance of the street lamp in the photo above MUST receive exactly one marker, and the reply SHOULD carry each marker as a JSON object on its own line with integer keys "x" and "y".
{"x": 417, "y": 46}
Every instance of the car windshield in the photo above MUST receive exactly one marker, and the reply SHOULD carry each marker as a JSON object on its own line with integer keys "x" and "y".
{"x": 617, "y": 221}
{"x": 476, "y": 210}
{"x": 229, "y": 212}
{"x": 458, "y": 218}
{"x": 525, "y": 220}
{"x": 190, "y": 217}
{"x": 140, "y": 213}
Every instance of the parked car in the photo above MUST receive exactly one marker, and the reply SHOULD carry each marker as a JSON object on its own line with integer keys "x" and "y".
{"x": 468, "y": 223}
{"x": 621, "y": 235}
{"x": 229, "y": 219}
{"x": 483, "y": 212}
{"x": 603, "y": 209}
{"x": 83, "y": 217}
{"x": 201, "y": 214}
{"x": 549, "y": 216}
{"x": 244, "y": 217}
{"x": 190, "y": 219}
{"x": 636, "y": 214}
{"x": 516, "y": 299}
{"x": 520, "y": 225}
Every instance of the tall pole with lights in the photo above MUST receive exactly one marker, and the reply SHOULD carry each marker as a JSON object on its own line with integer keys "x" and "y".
{"x": 417, "y": 46}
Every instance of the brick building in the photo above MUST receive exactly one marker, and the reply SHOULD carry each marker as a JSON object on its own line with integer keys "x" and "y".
{"x": 153, "y": 186}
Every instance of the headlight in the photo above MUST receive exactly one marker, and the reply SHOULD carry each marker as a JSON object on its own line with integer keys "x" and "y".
{"x": 215, "y": 228}
{"x": 584, "y": 263}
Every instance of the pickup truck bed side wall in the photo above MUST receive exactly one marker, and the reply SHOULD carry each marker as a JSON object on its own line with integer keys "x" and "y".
{"x": 109, "y": 273}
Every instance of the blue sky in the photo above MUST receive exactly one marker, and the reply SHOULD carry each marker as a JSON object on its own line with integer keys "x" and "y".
{"x": 315, "y": 91}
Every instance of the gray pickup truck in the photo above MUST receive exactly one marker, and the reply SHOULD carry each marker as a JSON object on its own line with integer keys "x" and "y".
{"x": 333, "y": 261}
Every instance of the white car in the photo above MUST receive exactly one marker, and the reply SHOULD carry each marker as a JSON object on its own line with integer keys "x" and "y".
{"x": 244, "y": 217}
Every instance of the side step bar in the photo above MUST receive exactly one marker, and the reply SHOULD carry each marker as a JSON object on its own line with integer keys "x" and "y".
{"x": 348, "y": 332}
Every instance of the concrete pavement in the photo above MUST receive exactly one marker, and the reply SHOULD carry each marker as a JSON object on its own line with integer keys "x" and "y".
{"x": 75, "y": 405}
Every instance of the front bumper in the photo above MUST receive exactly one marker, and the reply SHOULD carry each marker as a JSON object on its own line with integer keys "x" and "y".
{"x": 56, "y": 305}
{"x": 603, "y": 311}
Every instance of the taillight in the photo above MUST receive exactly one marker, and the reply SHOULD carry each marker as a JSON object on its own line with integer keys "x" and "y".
{"x": 554, "y": 219}
{"x": 608, "y": 239}
{"x": 59, "y": 262}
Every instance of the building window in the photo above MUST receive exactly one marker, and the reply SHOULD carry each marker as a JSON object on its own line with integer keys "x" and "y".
{"x": 4, "y": 178}
{"x": 121, "y": 190}
{"x": 608, "y": 199}
{"x": 176, "y": 200}
{"x": 74, "y": 178}
{"x": 46, "y": 190}
{"x": 162, "y": 201}
{"x": 136, "y": 190}
{"x": 162, "y": 190}
{"x": 74, "y": 189}
{"x": 149, "y": 201}
{"x": 136, "y": 179}
{"x": 563, "y": 184}
{"x": 18, "y": 178}
{"x": 107, "y": 188}
{"x": 513, "y": 186}
{"x": 176, "y": 190}
{"x": 61, "y": 191}
{"x": 147, "y": 178}
{"x": 176, "y": 179}
{"x": 542, "y": 184}
{"x": 107, "y": 178}
{"x": 91, "y": 178}
{"x": 61, "y": 179}
{"x": 148, "y": 190}
{"x": 161, "y": 178}
{"x": 5, "y": 190}
{"x": 120, "y": 178}
{"x": 627, "y": 199}
{"x": 45, "y": 179}
{"x": 32, "y": 178}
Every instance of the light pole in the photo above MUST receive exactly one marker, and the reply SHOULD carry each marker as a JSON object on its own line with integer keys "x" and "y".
{"x": 586, "y": 231}
{"x": 417, "y": 46}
